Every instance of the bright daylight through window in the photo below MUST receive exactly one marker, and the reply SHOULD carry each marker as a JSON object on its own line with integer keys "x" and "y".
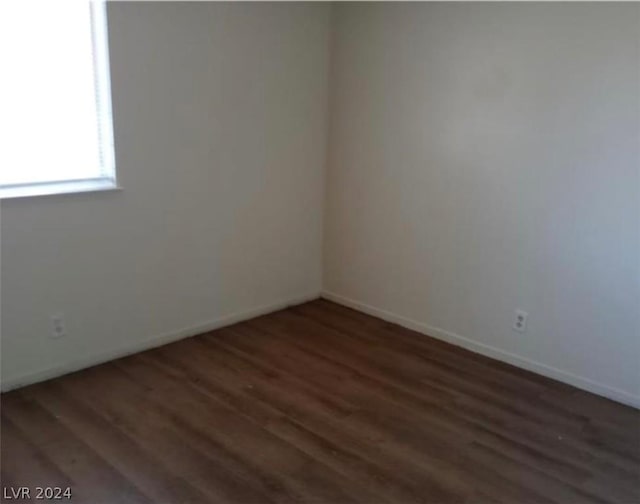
{"x": 56, "y": 105}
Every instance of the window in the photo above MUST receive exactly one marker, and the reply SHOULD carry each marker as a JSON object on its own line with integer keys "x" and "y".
{"x": 56, "y": 104}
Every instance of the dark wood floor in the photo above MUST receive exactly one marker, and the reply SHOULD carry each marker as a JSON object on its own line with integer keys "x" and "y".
{"x": 322, "y": 404}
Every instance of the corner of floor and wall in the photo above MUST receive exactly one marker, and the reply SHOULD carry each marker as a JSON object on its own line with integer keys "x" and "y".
{"x": 220, "y": 135}
{"x": 483, "y": 159}
{"x": 473, "y": 160}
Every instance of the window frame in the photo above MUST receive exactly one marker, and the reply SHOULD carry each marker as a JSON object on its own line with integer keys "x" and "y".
{"x": 101, "y": 75}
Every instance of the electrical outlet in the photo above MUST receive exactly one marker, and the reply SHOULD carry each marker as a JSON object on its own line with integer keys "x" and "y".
{"x": 58, "y": 329}
{"x": 520, "y": 321}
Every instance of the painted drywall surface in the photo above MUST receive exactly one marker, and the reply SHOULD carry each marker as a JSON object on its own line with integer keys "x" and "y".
{"x": 220, "y": 138}
{"x": 486, "y": 157}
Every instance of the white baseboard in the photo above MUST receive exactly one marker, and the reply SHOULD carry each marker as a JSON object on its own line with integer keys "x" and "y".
{"x": 490, "y": 351}
{"x": 152, "y": 342}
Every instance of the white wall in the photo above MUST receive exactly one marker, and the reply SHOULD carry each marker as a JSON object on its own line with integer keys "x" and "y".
{"x": 481, "y": 158}
{"x": 485, "y": 157}
{"x": 220, "y": 138}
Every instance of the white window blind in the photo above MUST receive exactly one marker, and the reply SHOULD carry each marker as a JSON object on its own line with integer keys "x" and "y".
{"x": 56, "y": 104}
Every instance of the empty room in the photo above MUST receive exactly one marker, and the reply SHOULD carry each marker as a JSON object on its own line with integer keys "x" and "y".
{"x": 320, "y": 252}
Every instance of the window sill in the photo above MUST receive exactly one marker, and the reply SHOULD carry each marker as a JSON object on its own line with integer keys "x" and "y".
{"x": 51, "y": 188}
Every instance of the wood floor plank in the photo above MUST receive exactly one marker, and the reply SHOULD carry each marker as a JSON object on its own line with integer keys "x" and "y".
{"x": 302, "y": 474}
{"x": 434, "y": 464}
{"x": 318, "y": 404}
{"x": 553, "y": 397}
{"x": 516, "y": 414}
{"x": 376, "y": 408}
{"x": 276, "y": 409}
{"x": 319, "y": 416}
{"x": 122, "y": 451}
{"x": 101, "y": 482}
{"x": 190, "y": 433}
{"x": 20, "y": 457}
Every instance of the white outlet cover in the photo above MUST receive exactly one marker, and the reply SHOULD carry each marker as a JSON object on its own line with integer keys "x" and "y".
{"x": 58, "y": 329}
{"x": 520, "y": 320}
